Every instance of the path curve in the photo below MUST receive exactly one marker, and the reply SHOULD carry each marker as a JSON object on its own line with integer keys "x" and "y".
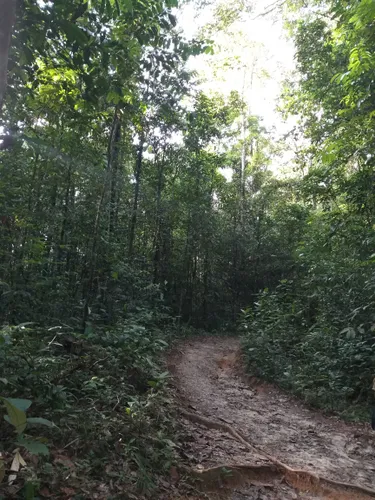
{"x": 211, "y": 385}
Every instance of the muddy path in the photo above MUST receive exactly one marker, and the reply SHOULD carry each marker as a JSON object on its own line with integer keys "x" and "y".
{"x": 224, "y": 413}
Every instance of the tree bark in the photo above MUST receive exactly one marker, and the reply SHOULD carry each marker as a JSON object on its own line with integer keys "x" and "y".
{"x": 158, "y": 239}
{"x": 7, "y": 18}
{"x": 133, "y": 220}
{"x": 113, "y": 155}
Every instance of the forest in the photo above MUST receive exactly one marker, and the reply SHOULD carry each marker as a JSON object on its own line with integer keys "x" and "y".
{"x": 145, "y": 203}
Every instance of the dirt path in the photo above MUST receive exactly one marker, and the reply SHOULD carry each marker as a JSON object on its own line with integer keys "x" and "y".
{"x": 211, "y": 386}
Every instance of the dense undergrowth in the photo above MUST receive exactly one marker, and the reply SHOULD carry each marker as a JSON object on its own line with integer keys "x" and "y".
{"x": 109, "y": 426}
{"x": 314, "y": 334}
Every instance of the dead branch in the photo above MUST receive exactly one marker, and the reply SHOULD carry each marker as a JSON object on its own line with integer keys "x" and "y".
{"x": 271, "y": 8}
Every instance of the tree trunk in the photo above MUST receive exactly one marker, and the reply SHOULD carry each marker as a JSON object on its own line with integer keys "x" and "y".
{"x": 158, "y": 230}
{"x": 7, "y": 18}
{"x": 133, "y": 220}
{"x": 61, "y": 250}
{"x": 87, "y": 290}
{"x": 184, "y": 282}
{"x": 206, "y": 288}
{"x": 113, "y": 154}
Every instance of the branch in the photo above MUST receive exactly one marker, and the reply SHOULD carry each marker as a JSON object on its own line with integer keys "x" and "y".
{"x": 272, "y": 7}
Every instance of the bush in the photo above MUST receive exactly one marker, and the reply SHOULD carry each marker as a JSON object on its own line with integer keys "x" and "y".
{"x": 315, "y": 335}
{"x": 105, "y": 393}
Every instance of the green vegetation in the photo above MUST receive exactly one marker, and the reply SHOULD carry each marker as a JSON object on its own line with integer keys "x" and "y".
{"x": 109, "y": 425}
{"x": 314, "y": 333}
{"x": 119, "y": 230}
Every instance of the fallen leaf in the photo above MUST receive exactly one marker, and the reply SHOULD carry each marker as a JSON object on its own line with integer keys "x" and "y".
{"x": 17, "y": 462}
{"x": 64, "y": 460}
{"x": 68, "y": 491}
{"x": 34, "y": 459}
{"x": 12, "y": 478}
{"x": 164, "y": 483}
{"x": 45, "y": 492}
{"x": 15, "y": 467}
{"x": 21, "y": 460}
{"x": 175, "y": 476}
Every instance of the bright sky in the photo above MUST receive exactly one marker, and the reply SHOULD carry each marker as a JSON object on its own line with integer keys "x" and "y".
{"x": 255, "y": 47}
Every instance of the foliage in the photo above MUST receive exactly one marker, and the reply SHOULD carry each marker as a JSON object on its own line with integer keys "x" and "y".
{"x": 134, "y": 207}
{"x": 300, "y": 336}
{"x": 114, "y": 217}
{"x": 105, "y": 394}
{"x": 314, "y": 333}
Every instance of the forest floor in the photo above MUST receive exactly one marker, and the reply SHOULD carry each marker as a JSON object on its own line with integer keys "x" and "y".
{"x": 246, "y": 439}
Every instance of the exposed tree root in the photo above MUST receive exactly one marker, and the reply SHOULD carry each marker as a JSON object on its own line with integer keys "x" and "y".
{"x": 234, "y": 475}
{"x": 299, "y": 479}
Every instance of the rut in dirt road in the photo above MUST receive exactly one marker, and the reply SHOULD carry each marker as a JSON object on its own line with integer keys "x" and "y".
{"x": 208, "y": 378}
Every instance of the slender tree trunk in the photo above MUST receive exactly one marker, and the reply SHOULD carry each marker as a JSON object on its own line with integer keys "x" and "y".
{"x": 29, "y": 204}
{"x": 243, "y": 151}
{"x": 7, "y": 19}
{"x": 65, "y": 215}
{"x": 87, "y": 291}
{"x": 235, "y": 251}
{"x": 50, "y": 235}
{"x": 243, "y": 166}
{"x": 138, "y": 174}
{"x": 205, "y": 287}
{"x": 158, "y": 230}
{"x": 193, "y": 287}
{"x": 185, "y": 273}
{"x": 113, "y": 156}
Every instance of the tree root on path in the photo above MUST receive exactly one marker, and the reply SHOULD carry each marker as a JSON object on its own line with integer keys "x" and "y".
{"x": 299, "y": 479}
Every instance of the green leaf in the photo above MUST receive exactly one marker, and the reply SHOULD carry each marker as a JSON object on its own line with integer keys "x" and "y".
{"x": 89, "y": 329}
{"x": 81, "y": 10}
{"x": 349, "y": 331}
{"x": 127, "y": 5}
{"x": 34, "y": 447}
{"x": 17, "y": 417}
{"x": 21, "y": 404}
{"x": 73, "y": 32}
{"x": 29, "y": 490}
{"x": 163, "y": 343}
{"x": 115, "y": 4}
{"x": 172, "y": 20}
{"x": 40, "y": 421}
{"x": 102, "y": 7}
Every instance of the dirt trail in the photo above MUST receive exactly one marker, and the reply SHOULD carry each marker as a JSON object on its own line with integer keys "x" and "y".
{"x": 211, "y": 386}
